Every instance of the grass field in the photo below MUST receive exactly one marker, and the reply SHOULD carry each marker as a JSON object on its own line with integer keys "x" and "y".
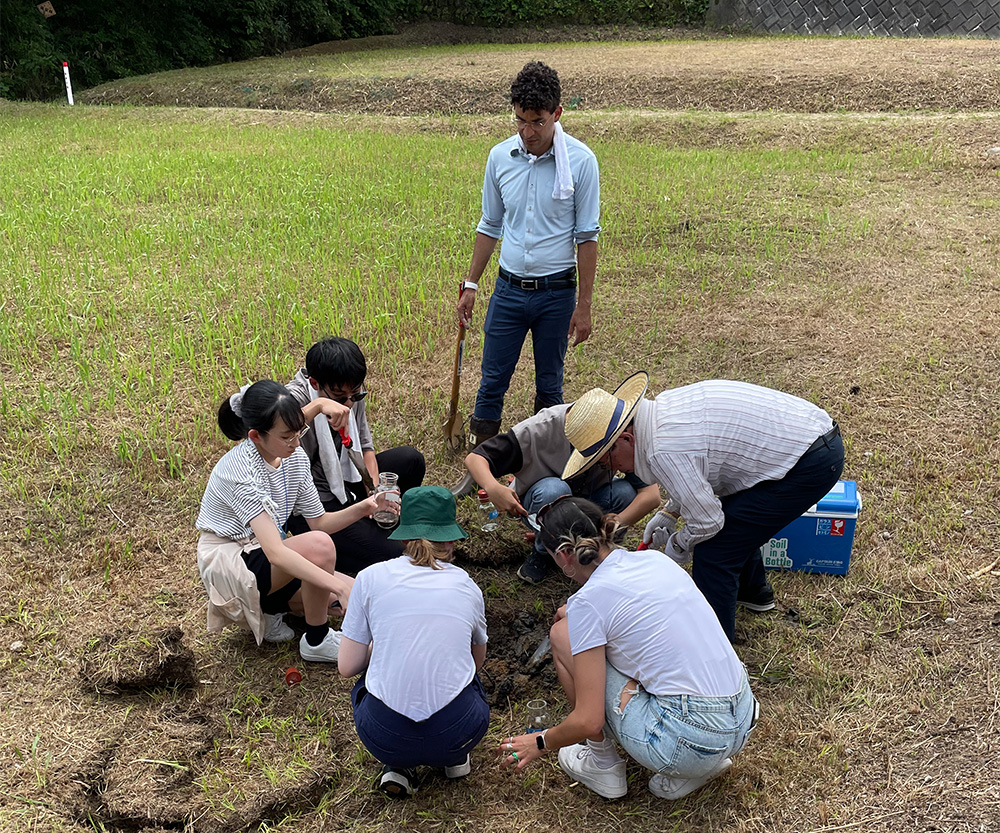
{"x": 156, "y": 258}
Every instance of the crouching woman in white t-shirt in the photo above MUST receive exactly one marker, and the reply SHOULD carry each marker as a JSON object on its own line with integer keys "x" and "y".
{"x": 254, "y": 573}
{"x": 643, "y": 660}
{"x": 416, "y": 627}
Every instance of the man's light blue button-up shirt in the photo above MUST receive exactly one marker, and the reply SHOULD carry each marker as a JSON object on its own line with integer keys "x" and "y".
{"x": 540, "y": 234}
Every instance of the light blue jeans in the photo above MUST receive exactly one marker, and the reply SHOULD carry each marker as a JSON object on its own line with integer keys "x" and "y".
{"x": 613, "y": 497}
{"x": 680, "y": 735}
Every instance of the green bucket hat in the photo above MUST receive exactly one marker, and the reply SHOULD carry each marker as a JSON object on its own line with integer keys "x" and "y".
{"x": 428, "y": 512}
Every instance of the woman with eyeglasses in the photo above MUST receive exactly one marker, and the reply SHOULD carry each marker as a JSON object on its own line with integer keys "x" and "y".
{"x": 253, "y": 572}
{"x": 643, "y": 661}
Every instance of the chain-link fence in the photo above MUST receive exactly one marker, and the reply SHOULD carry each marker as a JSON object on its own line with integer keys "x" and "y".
{"x": 979, "y": 18}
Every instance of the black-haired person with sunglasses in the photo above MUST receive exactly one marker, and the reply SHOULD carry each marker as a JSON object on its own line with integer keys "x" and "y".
{"x": 643, "y": 661}
{"x": 336, "y": 369}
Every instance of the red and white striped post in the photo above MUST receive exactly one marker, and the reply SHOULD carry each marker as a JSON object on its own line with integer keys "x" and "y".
{"x": 69, "y": 85}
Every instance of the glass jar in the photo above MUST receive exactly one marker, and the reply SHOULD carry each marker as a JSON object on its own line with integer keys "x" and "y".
{"x": 387, "y": 492}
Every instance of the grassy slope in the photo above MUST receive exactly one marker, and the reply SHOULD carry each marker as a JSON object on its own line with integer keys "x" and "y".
{"x": 157, "y": 258}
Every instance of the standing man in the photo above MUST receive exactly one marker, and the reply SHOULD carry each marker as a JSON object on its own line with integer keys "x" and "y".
{"x": 740, "y": 463}
{"x": 541, "y": 195}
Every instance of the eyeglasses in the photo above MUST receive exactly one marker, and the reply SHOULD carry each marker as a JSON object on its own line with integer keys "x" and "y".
{"x": 538, "y": 124}
{"x": 296, "y": 437}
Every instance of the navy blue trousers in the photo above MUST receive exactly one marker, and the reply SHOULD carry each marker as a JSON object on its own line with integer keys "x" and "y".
{"x": 729, "y": 564}
{"x": 443, "y": 739}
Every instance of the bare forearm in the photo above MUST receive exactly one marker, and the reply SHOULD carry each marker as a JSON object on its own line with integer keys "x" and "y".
{"x": 482, "y": 251}
{"x": 645, "y": 502}
{"x": 586, "y": 270}
{"x": 335, "y": 521}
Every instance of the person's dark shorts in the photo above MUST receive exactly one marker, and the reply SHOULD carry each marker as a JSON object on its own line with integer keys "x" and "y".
{"x": 270, "y": 603}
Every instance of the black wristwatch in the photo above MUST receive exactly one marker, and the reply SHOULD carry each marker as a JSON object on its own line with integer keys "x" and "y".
{"x": 540, "y": 741}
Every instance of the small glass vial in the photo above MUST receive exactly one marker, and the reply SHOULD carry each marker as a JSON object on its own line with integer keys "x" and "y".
{"x": 537, "y": 716}
{"x": 387, "y": 486}
{"x": 486, "y": 505}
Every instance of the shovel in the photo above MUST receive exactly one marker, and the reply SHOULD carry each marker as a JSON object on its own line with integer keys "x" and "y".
{"x": 454, "y": 425}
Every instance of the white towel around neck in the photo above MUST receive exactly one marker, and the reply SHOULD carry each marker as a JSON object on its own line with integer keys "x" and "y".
{"x": 337, "y": 468}
{"x": 562, "y": 186}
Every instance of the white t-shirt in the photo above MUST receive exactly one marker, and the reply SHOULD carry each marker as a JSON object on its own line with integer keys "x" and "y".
{"x": 656, "y": 625}
{"x": 422, "y": 624}
{"x": 243, "y": 484}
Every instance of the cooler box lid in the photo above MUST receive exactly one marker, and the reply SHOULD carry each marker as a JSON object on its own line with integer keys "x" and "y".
{"x": 842, "y": 501}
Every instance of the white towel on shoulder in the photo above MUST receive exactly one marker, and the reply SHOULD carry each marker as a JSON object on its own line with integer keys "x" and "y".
{"x": 562, "y": 186}
{"x": 336, "y": 467}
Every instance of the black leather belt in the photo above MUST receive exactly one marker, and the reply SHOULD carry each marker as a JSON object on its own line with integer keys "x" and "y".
{"x": 826, "y": 439}
{"x": 560, "y": 280}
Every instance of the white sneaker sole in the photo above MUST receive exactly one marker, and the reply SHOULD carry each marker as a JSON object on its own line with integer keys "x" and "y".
{"x": 683, "y": 787}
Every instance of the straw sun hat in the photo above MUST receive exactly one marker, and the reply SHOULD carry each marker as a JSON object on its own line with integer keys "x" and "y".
{"x": 597, "y": 419}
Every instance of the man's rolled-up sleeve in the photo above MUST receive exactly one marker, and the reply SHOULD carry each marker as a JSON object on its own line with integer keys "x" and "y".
{"x": 587, "y": 193}
{"x": 491, "y": 223}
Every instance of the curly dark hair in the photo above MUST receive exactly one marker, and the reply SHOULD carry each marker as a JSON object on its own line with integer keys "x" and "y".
{"x": 536, "y": 88}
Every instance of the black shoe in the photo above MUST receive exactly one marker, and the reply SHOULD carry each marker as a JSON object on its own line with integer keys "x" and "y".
{"x": 535, "y": 567}
{"x": 760, "y": 602}
{"x": 397, "y": 783}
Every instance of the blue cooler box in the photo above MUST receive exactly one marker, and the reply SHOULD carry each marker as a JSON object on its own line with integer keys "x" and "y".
{"x": 820, "y": 540}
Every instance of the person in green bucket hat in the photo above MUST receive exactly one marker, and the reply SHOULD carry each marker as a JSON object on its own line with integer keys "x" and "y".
{"x": 415, "y": 630}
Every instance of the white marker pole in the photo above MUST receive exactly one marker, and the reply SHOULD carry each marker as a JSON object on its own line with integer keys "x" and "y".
{"x": 69, "y": 86}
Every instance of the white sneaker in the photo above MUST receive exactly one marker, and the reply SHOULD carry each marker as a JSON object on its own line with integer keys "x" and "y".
{"x": 275, "y": 629}
{"x": 663, "y": 786}
{"x": 326, "y": 651}
{"x": 459, "y": 770}
{"x": 578, "y": 762}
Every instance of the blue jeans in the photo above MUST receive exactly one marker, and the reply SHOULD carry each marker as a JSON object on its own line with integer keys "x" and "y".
{"x": 512, "y": 313}
{"x": 680, "y": 735}
{"x": 443, "y": 739}
{"x": 612, "y": 497}
{"x": 729, "y": 564}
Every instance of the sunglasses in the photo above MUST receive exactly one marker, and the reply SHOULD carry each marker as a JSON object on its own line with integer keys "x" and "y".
{"x": 349, "y": 397}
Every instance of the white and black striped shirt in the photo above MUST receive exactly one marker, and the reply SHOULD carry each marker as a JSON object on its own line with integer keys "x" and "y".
{"x": 243, "y": 484}
{"x": 715, "y": 438}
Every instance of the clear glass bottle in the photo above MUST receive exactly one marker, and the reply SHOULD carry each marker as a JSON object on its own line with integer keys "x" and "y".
{"x": 387, "y": 486}
{"x": 492, "y": 514}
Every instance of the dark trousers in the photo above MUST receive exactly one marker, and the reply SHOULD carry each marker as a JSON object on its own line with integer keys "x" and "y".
{"x": 729, "y": 564}
{"x": 511, "y": 314}
{"x": 364, "y": 542}
{"x": 443, "y": 739}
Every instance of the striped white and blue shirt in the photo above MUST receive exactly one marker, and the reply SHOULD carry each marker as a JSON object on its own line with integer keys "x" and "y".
{"x": 243, "y": 484}
{"x": 715, "y": 438}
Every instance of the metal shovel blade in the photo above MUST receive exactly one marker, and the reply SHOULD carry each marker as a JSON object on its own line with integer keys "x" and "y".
{"x": 454, "y": 432}
{"x": 540, "y": 653}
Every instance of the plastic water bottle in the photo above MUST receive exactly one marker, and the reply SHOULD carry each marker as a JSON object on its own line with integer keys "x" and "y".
{"x": 492, "y": 513}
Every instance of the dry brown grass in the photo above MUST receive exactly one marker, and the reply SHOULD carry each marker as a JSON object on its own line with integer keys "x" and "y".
{"x": 879, "y": 689}
{"x": 725, "y": 74}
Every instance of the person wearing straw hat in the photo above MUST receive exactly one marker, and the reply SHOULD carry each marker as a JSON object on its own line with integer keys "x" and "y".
{"x": 416, "y": 632}
{"x": 643, "y": 661}
{"x": 541, "y": 196}
{"x": 740, "y": 462}
{"x": 536, "y": 452}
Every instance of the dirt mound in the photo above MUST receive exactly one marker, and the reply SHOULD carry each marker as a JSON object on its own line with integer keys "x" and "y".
{"x": 121, "y": 663}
